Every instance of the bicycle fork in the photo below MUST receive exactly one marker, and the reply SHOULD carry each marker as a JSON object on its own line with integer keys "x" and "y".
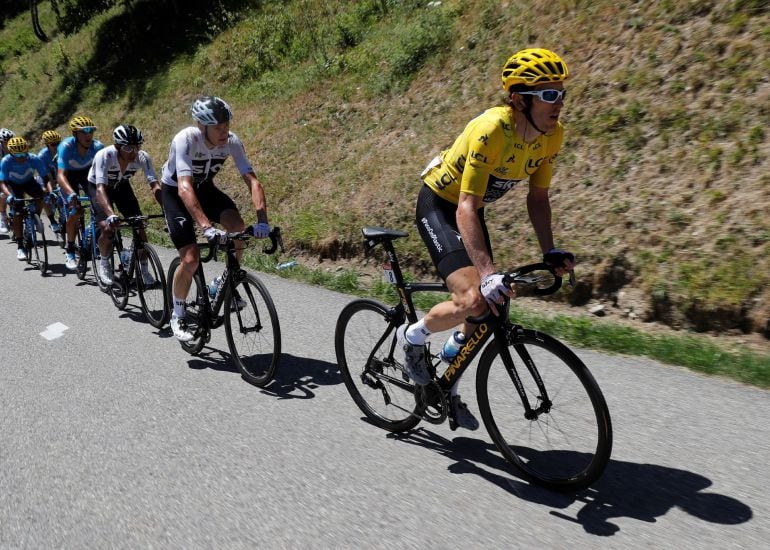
{"x": 510, "y": 367}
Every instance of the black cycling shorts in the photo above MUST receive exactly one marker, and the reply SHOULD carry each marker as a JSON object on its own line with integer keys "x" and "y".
{"x": 180, "y": 223}
{"x": 121, "y": 196}
{"x": 31, "y": 188}
{"x": 436, "y": 221}
{"x": 78, "y": 179}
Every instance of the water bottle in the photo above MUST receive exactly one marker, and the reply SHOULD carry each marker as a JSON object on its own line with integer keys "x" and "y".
{"x": 125, "y": 256}
{"x": 214, "y": 287}
{"x": 286, "y": 265}
{"x": 452, "y": 347}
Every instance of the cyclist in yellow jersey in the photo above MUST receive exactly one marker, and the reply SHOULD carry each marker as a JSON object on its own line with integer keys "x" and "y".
{"x": 498, "y": 149}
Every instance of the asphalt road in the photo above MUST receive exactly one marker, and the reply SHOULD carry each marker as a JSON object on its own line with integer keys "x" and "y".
{"x": 111, "y": 436}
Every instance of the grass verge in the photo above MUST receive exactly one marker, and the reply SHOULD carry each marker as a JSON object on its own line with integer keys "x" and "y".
{"x": 690, "y": 351}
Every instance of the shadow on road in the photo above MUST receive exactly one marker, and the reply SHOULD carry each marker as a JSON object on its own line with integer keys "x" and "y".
{"x": 297, "y": 377}
{"x": 627, "y": 489}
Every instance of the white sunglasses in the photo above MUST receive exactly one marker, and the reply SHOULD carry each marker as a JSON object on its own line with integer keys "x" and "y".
{"x": 548, "y": 96}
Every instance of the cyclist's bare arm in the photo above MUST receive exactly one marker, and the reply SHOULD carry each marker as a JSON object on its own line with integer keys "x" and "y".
{"x": 473, "y": 236}
{"x": 101, "y": 198}
{"x": 257, "y": 196}
{"x": 539, "y": 208}
{"x": 61, "y": 178}
{"x": 190, "y": 200}
{"x": 155, "y": 189}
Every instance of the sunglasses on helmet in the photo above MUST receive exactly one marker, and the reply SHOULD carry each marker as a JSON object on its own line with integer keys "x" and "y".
{"x": 87, "y": 129}
{"x": 548, "y": 96}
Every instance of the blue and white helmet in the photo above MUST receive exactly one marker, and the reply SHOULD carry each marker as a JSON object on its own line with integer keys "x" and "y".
{"x": 210, "y": 111}
{"x": 6, "y": 134}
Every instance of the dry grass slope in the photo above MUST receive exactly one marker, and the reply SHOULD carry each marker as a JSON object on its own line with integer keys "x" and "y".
{"x": 662, "y": 188}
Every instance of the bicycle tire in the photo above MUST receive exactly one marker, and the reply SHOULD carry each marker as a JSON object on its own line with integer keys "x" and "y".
{"x": 83, "y": 250}
{"x": 364, "y": 341}
{"x": 39, "y": 246}
{"x": 27, "y": 240}
{"x": 568, "y": 445}
{"x": 196, "y": 315}
{"x": 95, "y": 257}
{"x": 121, "y": 285}
{"x": 155, "y": 306}
{"x": 257, "y": 357}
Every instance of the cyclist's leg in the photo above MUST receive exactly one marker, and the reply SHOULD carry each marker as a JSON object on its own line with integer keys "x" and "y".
{"x": 437, "y": 224}
{"x": 107, "y": 233}
{"x": 221, "y": 209}
{"x": 16, "y": 224}
{"x": 76, "y": 180}
{"x": 182, "y": 233}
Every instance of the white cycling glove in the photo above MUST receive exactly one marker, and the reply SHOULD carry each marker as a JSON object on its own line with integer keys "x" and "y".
{"x": 112, "y": 220}
{"x": 261, "y": 230}
{"x": 493, "y": 288}
{"x": 212, "y": 234}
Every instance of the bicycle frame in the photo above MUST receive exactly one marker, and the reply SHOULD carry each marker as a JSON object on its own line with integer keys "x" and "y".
{"x": 497, "y": 326}
{"x": 137, "y": 244}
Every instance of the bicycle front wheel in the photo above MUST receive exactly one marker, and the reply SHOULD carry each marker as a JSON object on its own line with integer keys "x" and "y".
{"x": 565, "y": 442}
{"x": 253, "y": 332}
{"x": 365, "y": 341}
{"x": 39, "y": 248}
{"x": 120, "y": 287}
{"x": 95, "y": 259}
{"x": 151, "y": 285}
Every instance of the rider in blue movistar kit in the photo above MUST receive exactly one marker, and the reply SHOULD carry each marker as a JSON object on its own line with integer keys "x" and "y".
{"x": 5, "y": 135}
{"x": 51, "y": 140}
{"x": 75, "y": 155}
{"x": 17, "y": 178}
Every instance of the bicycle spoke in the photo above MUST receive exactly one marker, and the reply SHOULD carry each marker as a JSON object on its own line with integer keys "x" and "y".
{"x": 253, "y": 332}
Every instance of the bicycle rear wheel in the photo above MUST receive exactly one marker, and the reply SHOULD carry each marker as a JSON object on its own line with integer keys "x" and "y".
{"x": 195, "y": 308}
{"x": 252, "y": 329}
{"x": 153, "y": 295}
{"x": 566, "y": 444}
{"x": 38, "y": 248}
{"x": 365, "y": 340}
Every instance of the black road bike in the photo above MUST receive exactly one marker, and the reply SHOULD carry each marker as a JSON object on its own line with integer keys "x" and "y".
{"x": 128, "y": 273}
{"x": 250, "y": 319}
{"x": 540, "y": 405}
{"x": 32, "y": 234}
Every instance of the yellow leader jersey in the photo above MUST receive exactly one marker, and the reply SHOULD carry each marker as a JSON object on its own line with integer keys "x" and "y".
{"x": 488, "y": 159}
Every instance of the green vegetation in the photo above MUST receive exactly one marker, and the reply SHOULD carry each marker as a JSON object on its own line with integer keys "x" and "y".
{"x": 341, "y": 104}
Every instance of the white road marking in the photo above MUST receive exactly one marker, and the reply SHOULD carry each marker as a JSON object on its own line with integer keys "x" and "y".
{"x": 54, "y": 331}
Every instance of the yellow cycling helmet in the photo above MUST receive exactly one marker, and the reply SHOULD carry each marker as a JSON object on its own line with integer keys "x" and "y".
{"x": 533, "y": 66}
{"x": 51, "y": 137}
{"x": 18, "y": 145}
{"x": 79, "y": 122}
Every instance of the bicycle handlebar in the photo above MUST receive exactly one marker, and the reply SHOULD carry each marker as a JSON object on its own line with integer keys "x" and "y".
{"x": 520, "y": 276}
{"x": 275, "y": 241}
{"x": 137, "y": 220}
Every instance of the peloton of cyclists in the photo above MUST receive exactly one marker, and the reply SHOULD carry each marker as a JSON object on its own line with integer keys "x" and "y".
{"x": 197, "y": 153}
{"x": 21, "y": 173}
{"x": 5, "y": 135}
{"x": 75, "y": 155}
{"x": 499, "y": 148}
{"x": 109, "y": 185}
